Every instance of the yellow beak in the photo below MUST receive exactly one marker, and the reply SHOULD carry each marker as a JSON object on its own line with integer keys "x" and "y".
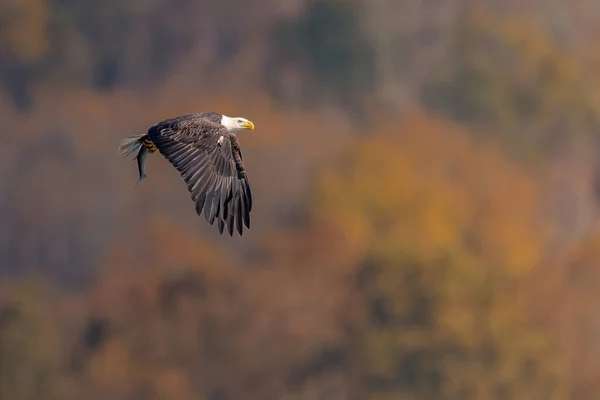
{"x": 248, "y": 125}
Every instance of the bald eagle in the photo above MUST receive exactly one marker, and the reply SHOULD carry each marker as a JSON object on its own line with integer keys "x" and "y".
{"x": 206, "y": 153}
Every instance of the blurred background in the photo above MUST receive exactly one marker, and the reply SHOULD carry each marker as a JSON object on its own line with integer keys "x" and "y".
{"x": 425, "y": 176}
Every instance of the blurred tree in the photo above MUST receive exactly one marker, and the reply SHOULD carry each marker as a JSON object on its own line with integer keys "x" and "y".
{"x": 327, "y": 47}
{"x": 441, "y": 235}
{"x": 23, "y": 45}
{"x": 563, "y": 292}
{"x": 446, "y": 249}
{"x": 30, "y": 348}
{"x": 410, "y": 39}
{"x": 511, "y": 75}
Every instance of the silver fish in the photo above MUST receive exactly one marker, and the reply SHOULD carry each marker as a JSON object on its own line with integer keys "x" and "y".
{"x": 142, "y": 159}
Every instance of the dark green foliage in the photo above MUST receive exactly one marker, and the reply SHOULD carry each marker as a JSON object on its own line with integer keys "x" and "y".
{"x": 329, "y": 46}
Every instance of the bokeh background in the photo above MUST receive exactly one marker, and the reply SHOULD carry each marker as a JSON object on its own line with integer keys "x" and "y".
{"x": 426, "y": 185}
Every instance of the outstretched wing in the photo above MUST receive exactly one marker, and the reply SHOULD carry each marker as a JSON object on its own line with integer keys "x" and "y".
{"x": 209, "y": 160}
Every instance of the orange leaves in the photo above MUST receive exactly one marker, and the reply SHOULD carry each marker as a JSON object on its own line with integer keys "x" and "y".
{"x": 111, "y": 368}
{"x": 427, "y": 188}
{"x": 409, "y": 270}
{"x": 565, "y": 292}
{"x": 174, "y": 384}
{"x": 452, "y": 227}
{"x": 409, "y": 265}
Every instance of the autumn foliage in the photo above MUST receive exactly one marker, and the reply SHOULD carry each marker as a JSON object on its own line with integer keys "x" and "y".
{"x": 422, "y": 229}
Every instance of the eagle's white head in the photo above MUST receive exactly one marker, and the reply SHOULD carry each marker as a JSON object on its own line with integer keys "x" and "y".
{"x": 236, "y": 124}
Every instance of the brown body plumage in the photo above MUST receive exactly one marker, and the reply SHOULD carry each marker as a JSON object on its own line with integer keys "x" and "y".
{"x": 206, "y": 153}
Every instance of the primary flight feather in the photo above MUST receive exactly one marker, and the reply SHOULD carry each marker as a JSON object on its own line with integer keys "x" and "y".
{"x": 206, "y": 153}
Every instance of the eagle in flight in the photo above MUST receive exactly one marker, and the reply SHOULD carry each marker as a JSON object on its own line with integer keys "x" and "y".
{"x": 206, "y": 153}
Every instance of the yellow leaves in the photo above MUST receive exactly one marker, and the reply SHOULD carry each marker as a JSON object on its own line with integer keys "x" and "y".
{"x": 24, "y": 28}
{"x": 542, "y": 61}
{"x": 426, "y": 189}
{"x": 511, "y": 74}
{"x": 452, "y": 227}
{"x": 334, "y": 210}
{"x": 458, "y": 319}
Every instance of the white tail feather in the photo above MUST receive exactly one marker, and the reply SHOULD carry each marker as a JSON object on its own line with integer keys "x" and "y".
{"x": 130, "y": 144}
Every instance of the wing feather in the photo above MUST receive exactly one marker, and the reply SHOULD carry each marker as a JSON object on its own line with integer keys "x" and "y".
{"x": 239, "y": 208}
{"x": 230, "y": 222}
{"x": 210, "y": 166}
{"x": 221, "y": 225}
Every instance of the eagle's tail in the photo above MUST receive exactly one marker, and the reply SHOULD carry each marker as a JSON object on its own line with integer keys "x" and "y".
{"x": 131, "y": 144}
